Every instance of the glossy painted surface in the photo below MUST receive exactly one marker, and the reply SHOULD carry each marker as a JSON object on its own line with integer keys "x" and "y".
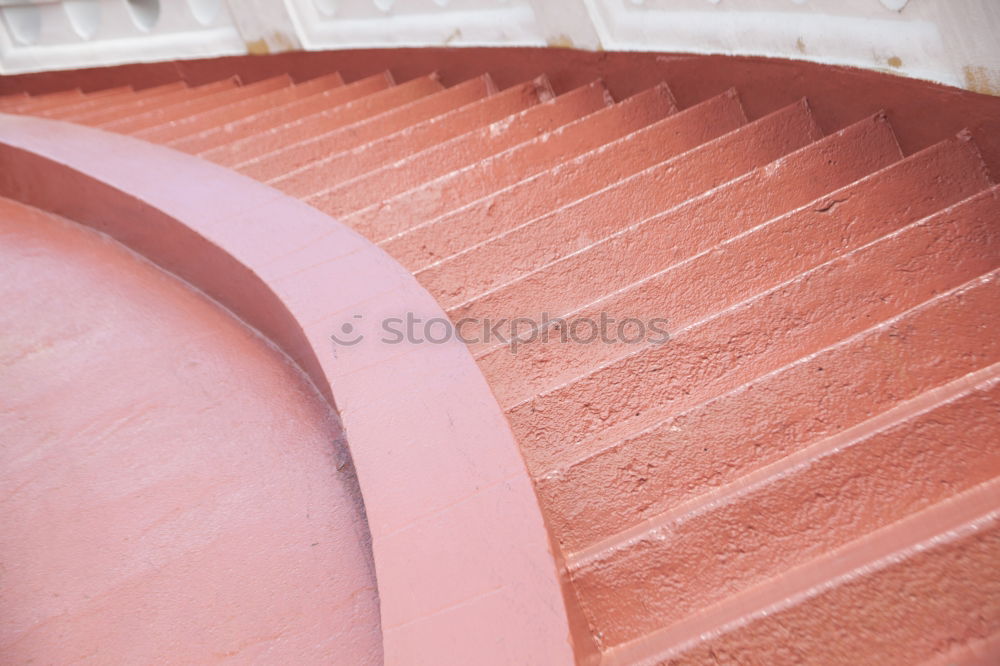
{"x": 172, "y": 486}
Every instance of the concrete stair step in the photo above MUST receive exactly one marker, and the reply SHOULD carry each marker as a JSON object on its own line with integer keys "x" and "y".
{"x": 278, "y": 137}
{"x": 461, "y": 151}
{"x": 210, "y": 118}
{"x": 212, "y": 144}
{"x": 461, "y": 227}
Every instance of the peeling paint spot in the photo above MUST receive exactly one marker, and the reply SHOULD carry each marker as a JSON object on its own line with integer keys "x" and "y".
{"x": 276, "y": 42}
{"x": 895, "y": 61}
{"x": 800, "y": 45}
{"x": 560, "y": 42}
{"x": 982, "y": 80}
{"x": 455, "y": 34}
{"x": 258, "y": 47}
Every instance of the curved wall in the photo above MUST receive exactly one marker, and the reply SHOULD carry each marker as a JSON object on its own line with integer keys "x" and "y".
{"x": 462, "y": 555}
{"x": 950, "y": 42}
{"x": 172, "y": 484}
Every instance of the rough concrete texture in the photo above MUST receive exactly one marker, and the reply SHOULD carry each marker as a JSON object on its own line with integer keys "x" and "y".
{"x": 804, "y": 472}
{"x": 174, "y": 489}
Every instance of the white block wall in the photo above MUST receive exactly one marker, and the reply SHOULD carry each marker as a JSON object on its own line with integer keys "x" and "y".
{"x": 948, "y": 41}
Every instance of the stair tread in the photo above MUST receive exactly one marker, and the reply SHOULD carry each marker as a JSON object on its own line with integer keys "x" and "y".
{"x": 535, "y": 155}
{"x": 240, "y": 154}
{"x": 694, "y": 275}
{"x": 211, "y": 118}
{"x": 34, "y": 103}
{"x": 90, "y": 100}
{"x": 72, "y": 112}
{"x": 461, "y": 151}
{"x": 475, "y": 222}
{"x": 212, "y": 144}
{"x": 127, "y": 109}
{"x": 311, "y": 165}
{"x": 351, "y": 156}
{"x": 732, "y": 346}
{"x": 658, "y": 188}
{"x": 813, "y": 503}
{"x": 657, "y": 243}
{"x": 747, "y": 432}
{"x": 175, "y": 112}
{"x": 846, "y": 579}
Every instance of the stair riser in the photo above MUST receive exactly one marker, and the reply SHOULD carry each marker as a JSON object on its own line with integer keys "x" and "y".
{"x": 327, "y": 160}
{"x": 735, "y": 270}
{"x": 44, "y": 102}
{"x": 463, "y": 151}
{"x": 135, "y": 123}
{"x": 90, "y": 101}
{"x": 172, "y": 93}
{"x": 304, "y": 129}
{"x": 698, "y": 560}
{"x": 817, "y": 309}
{"x": 90, "y": 105}
{"x": 531, "y": 157}
{"x": 906, "y": 609}
{"x": 212, "y": 118}
{"x": 214, "y": 144}
{"x": 137, "y": 106}
{"x": 649, "y": 473}
{"x": 546, "y": 239}
{"x": 455, "y": 230}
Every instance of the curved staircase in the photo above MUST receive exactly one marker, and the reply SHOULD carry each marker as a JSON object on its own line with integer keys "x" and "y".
{"x": 808, "y": 471}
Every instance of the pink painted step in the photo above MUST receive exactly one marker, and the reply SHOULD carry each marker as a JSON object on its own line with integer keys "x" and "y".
{"x": 715, "y": 355}
{"x": 352, "y": 151}
{"x": 72, "y": 111}
{"x": 654, "y": 469}
{"x": 794, "y": 511}
{"x": 212, "y": 118}
{"x": 89, "y": 101}
{"x": 679, "y": 275}
{"x": 657, "y": 243}
{"x": 211, "y": 143}
{"x": 176, "y": 112}
{"x": 472, "y": 223}
{"x": 310, "y": 161}
{"x": 485, "y": 266}
{"x": 11, "y": 100}
{"x": 460, "y": 152}
{"x": 535, "y": 155}
{"x": 36, "y": 103}
{"x": 139, "y": 106}
{"x": 240, "y": 154}
{"x": 902, "y": 594}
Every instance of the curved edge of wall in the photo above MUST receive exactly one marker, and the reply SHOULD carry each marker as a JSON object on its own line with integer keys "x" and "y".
{"x": 952, "y": 43}
{"x": 465, "y": 569}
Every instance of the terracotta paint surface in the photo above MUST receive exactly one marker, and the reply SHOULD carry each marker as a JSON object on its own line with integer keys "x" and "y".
{"x": 330, "y": 118}
{"x": 161, "y": 104}
{"x": 153, "y": 505}
{"x": 462, "y": 556}
{"x": 802, "y": 473}
{"x": 195, "y": 123}
{"x": 233, "y": 130}
{"x": 314, "y": 155}
{"x": 461, "y": 151}
{"x": 179, "y": 113}
{"x": 423, "y": 242}
{"x": 507, "y": 167}
{"x": 71, "y": 111}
